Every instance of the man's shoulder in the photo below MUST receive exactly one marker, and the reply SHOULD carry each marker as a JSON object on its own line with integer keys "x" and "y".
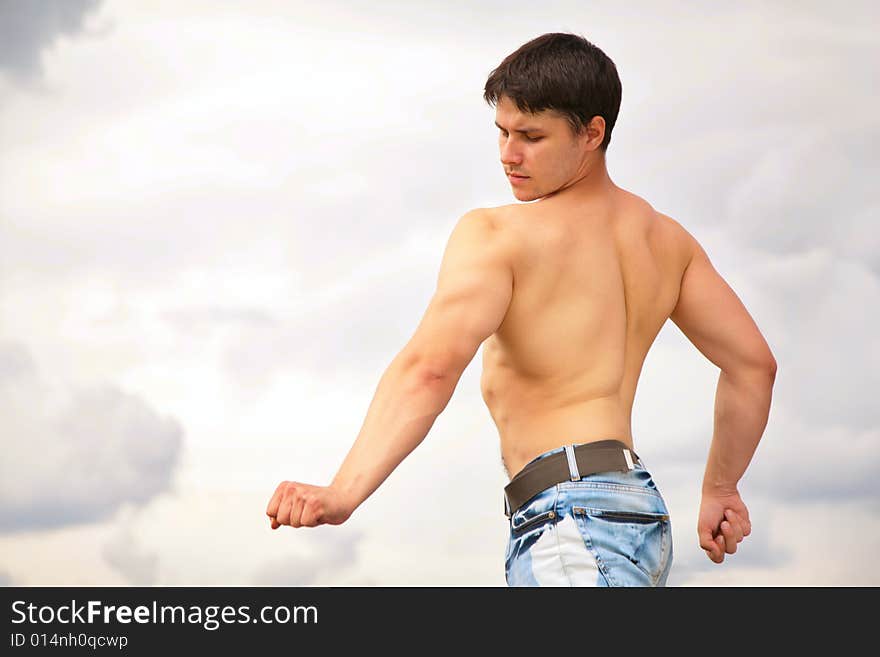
{"x": 501, "y": 219}
{"x": 684, "y": 241}
{"x": 491, "y": 213}
{"x": 485, "y": 228}
{"x": 487, "y": 220}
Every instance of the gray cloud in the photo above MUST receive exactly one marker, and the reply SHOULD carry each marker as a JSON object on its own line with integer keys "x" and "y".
{"x": 29, "y": 28}
{"x": 803, "y": 464}
{"x": 125, "y": 555}
{"x": 74, "y": 456}
{"x": 331, "y": 557}
{"x": 815, "y": 191}
{"x": 757, "y": 550}
{"x": 824, "y": 306}
{"x": 16, "y": 363}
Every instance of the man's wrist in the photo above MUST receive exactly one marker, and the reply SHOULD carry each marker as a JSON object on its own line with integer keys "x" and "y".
{"x": 347, "y": 496}
{"x": 719, "y": 488}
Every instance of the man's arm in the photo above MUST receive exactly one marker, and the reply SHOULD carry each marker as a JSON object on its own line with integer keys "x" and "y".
{"x": 474, "y": 289}
{"x": 714, "y": 319}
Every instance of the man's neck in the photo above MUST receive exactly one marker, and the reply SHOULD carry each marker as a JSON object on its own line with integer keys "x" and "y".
{"x": 593, "y": 183}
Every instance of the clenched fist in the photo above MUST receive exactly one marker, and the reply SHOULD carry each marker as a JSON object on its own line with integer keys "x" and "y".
{"x": 722, "y": 523}
{"x": 303, "y": 505}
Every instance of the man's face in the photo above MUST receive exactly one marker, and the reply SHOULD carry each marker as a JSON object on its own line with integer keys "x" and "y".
{"x": 539, "y": 146}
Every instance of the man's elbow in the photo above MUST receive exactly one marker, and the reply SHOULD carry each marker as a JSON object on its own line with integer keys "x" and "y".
{"x": 432, "y": 371}
{"x": 760, "y": 370}
{"x": 432, "y": 365}
{"x": 772, "y": 368}
{"x": 431, "y": 382}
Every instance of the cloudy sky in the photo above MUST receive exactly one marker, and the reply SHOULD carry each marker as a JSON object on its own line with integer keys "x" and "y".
{"x": 219, "y": 222}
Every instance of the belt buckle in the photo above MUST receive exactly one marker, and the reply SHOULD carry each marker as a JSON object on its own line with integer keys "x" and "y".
{"x": 629, "y": 459}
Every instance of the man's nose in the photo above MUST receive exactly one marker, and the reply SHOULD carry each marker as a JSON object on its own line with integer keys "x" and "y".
{"x": 510, "y": 154}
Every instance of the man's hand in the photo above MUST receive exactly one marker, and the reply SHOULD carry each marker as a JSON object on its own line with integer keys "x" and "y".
{"x": 723, "y": 522}
{"x": 303, "y": 505}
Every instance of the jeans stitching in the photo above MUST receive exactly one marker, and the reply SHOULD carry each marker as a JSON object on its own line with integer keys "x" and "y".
{"x": 574, "y": 485}
{"x": 664, "y": 528}
{"x": 667, "y": 548}
{"x": 588, "y": 543}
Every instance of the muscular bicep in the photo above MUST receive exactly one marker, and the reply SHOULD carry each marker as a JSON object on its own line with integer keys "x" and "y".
{"x": 713, "y": 318}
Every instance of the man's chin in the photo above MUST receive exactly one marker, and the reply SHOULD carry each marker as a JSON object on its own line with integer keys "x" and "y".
{"x": 522, "y": 195}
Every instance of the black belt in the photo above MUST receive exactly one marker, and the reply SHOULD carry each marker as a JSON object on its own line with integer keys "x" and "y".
{"x": 572, "y": 463}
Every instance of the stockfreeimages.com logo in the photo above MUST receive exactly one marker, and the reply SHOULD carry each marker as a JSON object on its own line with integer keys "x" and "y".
{"x": 210, "y": 617}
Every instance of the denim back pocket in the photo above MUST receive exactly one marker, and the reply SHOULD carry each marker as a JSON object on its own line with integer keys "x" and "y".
{"x": 631, "y": 546}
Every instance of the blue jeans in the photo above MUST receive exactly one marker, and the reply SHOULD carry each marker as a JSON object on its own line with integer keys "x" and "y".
{"x": 607, "y": 529}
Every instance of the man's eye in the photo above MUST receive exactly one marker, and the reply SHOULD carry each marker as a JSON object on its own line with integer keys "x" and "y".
{"x": 504, "y": 134}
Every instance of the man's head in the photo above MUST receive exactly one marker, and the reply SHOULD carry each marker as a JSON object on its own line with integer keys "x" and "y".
{"x": 569, "y": 90}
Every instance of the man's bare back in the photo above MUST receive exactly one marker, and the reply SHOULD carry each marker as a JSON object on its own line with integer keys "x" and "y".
{"x": 593, "y": 286}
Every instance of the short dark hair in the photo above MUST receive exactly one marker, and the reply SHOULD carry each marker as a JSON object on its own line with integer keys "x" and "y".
{"x": 562, "y": 72}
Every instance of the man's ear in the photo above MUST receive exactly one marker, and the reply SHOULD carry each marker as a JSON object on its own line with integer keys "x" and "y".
{"x": 594, "y": 130}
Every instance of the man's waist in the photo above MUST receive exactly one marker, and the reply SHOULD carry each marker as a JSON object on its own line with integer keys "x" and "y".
{"x": 571, "y": 463}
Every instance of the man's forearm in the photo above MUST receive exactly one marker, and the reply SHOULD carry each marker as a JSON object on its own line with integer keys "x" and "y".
{"x": 407, "y": 401}
{"x": 742, "y": 406}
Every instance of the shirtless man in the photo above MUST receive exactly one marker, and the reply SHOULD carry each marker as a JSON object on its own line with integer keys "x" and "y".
{"x": 566, "y": 293}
